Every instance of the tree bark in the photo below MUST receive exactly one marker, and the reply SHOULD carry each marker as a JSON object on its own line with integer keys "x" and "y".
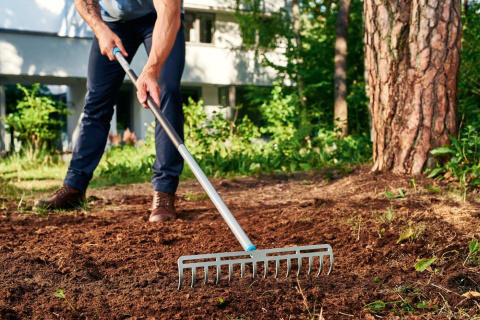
{"x": 340, "y": 108}
{"x": 412, "y": 48}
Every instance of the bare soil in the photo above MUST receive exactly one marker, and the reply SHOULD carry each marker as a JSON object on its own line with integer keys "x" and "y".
{"x": 111, "y": 263}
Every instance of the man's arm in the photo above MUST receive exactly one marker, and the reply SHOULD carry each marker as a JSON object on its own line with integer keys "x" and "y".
{"x": 107, "y": 39}
{"x": 164, "y": 35}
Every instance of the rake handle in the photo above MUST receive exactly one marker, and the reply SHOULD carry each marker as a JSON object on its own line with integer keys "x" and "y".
{"x": 197, "y": 171}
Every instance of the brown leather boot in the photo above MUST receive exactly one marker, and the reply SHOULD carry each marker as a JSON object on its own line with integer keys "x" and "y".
{"x": 163, "y": 208}
{"x": 65, "y": 198}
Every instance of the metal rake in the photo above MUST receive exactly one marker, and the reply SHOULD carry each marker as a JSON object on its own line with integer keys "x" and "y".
{"x": 251, "y": 256}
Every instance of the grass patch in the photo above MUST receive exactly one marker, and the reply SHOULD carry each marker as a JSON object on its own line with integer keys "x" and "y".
{"x": 196, "y": 196}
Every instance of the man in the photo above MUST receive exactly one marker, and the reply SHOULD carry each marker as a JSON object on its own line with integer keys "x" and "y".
{"x": 127, "y": 24}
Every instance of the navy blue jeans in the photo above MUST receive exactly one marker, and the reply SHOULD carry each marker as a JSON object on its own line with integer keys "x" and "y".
{"x": 103, "y": 83}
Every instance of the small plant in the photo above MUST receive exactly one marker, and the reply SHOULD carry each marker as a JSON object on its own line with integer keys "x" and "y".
{"x": 379, "y": 306}
{"x": 412, "y": 233}
{"x": 356, "y": 223}
{"x": 433, "y": 189}
{"x": 83, "y": 206}
{"x": 401, "y": 194}
{"x": 60, "y": 294}
{"x": 387, "y": 216}
{"x": 473, "y": 249}
{"x": 380, "y": 233}
{"x": 196, "y": 196}
{"x": 42, "y": 211}
{"x": 413, "y": 184}
{"x": 464, "y": 162}
{"x": 221, "y": 303}
{"x": 423, "y": 264}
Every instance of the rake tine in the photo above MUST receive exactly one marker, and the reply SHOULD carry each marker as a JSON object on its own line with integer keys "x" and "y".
{"x": 194, "y": 276}
{"x": 230, "y": 272}
{"x": 321, "y": 266}
{"x": 289, "y": 267}
{"x": 300, "y": 264}
{"x": 206, "y": 274}
{"x": 331, "y": 265}
{"x": 180, "y": 279}
{"x": 254, "y": 269}
{"x": 242, "y": 269}
{"x": 310, "y": 264}
{"x": 265, "y": 273}
{"x": 277, "y": 267}
{"x": 218, "y": 274}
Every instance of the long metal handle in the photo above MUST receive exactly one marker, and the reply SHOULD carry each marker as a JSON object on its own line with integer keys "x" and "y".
{"x": 197, "y": 171}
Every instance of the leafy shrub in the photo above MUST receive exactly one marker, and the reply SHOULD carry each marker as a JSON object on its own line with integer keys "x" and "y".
{"x": 37, "y": 120}
{"x": 232, "y": 147}
{"x": 464, "y": 161}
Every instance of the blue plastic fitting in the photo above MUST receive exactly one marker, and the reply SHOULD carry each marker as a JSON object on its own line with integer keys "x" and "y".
{"x": 251, "y": 247}
{"x": 115, "y": 50}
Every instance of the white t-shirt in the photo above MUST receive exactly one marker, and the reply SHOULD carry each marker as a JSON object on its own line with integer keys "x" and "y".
{"x": 114, "y": 10}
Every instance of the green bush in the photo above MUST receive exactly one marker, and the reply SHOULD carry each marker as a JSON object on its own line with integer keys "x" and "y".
{"x": 236, "y": 147}
{"x": 37, "y": 120}
{"x": 464, "y": 159}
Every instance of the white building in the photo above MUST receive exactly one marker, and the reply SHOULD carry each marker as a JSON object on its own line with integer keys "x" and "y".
{"x": 47, "y": 41}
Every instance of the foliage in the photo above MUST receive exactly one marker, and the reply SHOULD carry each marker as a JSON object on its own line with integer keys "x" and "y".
{"x": 464, "y": 161}
{"x": 60, "y": 294}
{"x": 469, "y": 80}
{"x": 400, "y": 305}
{"x": 126, "y": 164}
{"x": 280, "y": 115}
{"x": 473, "y": 249}
{"x": 37, "y": 120}
{"x": 259, "y": 29}
{"x": 412, "y": 233}
{"x": 235, "y": 147}
{"x": 314, "y": 60}
{"x": 423, "y": 264}
{"x": 390, "y": 195}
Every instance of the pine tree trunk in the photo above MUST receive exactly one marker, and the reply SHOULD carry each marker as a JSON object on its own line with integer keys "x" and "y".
{"x": 340, "y": 109}
{"x": 412, "y": 50}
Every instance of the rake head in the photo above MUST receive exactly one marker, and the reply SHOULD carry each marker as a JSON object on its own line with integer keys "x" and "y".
{"x": 280, "y": 256}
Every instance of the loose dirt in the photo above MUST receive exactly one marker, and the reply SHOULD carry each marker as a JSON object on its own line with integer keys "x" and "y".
{"x": 111, "y": 263}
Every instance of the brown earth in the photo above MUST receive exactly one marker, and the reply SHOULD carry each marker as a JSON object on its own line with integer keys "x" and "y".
{"x": 113, "y": 264}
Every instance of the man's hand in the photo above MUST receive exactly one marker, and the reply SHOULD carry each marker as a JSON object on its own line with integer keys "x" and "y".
{"x": 147, "y": 85}
{"x": 164, "y": 34}
{"x": 108, "y": 40}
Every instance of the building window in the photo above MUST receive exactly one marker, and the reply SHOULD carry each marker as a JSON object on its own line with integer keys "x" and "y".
{"x": 194, "y": 93}
{"x": 199, "y": 27}
{"x": 224, "y": 96}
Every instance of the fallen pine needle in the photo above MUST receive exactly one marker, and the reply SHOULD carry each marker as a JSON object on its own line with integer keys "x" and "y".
{"x": 345, "y": 314}
{"x": 444, "y": 289}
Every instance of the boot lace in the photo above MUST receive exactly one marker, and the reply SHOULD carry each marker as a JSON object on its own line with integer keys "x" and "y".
{"x": 62, "y": 190}
{"x": 162, "y": 200}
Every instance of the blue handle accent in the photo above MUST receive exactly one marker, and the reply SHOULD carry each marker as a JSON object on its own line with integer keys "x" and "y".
{"x": 251, "y": 247}
{"x": 115, "y": 50}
